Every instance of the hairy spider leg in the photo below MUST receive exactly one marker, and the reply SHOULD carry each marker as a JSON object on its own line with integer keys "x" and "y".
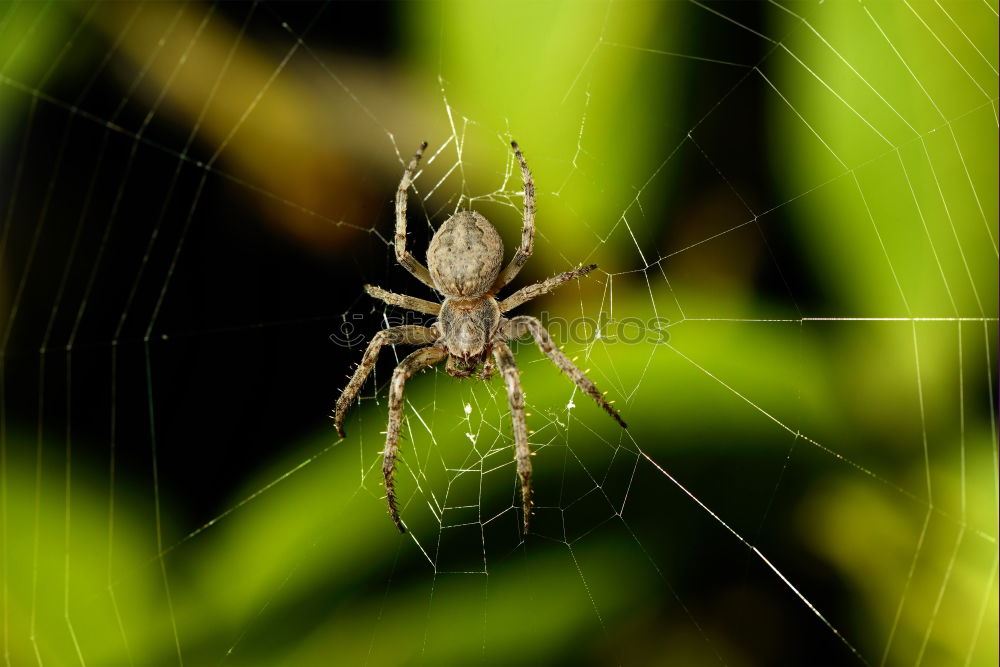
{"x": 544, "y": 287}
{"x": 515, "y": 399}
{"x": 416, "y": 361}
{"x": 410, "y": 334}
{"x": 408, "y": 261}
{"x": 404, "y": 300}
{"x": 527, "y": 230}
{"x": 516, "y": 327}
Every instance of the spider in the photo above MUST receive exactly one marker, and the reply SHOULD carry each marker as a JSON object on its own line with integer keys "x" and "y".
{"x": 463, "y": 265}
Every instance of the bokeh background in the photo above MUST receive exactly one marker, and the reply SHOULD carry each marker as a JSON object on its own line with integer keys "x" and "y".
{"x": 193, "y": 196}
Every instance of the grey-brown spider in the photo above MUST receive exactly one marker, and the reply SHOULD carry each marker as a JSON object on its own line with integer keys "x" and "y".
{"x": 464, "y": 260}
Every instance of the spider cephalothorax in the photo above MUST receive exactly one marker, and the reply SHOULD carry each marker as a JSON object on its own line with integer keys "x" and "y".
{"x": 463, "y": 265}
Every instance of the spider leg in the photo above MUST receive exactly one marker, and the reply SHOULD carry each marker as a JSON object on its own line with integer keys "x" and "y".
{"x": 527, "y": 231}
{"x": 405, "y": 334}
{"x": 518, "y": 326}
{"x": 515, "y": 397}
{"x": 408, "y": 261}
{"x": 544, "y": 287}
{"x": 404, "y": 300}
{"x": 416, "y": 361}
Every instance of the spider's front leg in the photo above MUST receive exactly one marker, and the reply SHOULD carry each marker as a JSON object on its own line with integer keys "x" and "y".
{"x": 518, "y": 326}
{"x": 419, "y": 360}
{"x": 414, "y": 335}
{"x": 515, "y": 398}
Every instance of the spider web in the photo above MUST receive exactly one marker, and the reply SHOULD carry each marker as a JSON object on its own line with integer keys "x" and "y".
{"x": 793, "y": 208}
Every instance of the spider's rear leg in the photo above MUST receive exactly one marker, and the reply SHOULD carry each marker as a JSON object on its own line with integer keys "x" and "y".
{"x": 416, "y": 361}
{"x": 527, "y": 230}
{"x": 403, "y": 256}
{"x": 515, "y": 397}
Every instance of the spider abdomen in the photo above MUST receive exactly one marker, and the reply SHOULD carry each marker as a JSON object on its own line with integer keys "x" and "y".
{"x": 464, "y": 256}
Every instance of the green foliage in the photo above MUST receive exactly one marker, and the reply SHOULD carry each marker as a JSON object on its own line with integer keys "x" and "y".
{"x": 889, "y": 180}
